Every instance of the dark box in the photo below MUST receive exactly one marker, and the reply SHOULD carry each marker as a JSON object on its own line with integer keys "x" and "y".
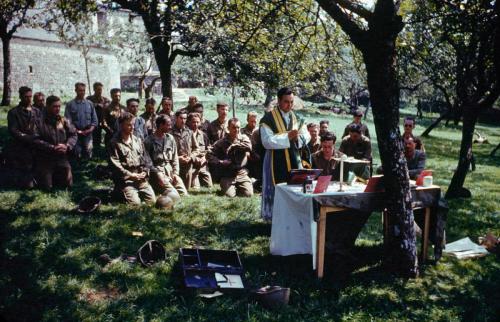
{"x": 211, "y": 269}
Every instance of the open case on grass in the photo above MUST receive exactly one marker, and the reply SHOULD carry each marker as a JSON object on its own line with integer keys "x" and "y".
{"x": 211, "y": 269}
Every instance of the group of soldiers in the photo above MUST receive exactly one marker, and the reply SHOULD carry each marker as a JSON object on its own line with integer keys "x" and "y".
{"x": 159, "y": 155}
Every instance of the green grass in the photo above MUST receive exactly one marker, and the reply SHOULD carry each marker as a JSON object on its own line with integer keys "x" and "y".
{"x": 50, "y": 270}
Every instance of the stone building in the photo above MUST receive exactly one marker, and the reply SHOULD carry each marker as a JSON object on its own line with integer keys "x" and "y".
{"x": 44, "y": 63}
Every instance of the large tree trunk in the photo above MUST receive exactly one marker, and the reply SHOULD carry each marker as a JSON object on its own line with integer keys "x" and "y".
{"x": 379, "y": 57}
{"x": 378, "y": 45}
{"x": 456, "y": 189}
{"x": 7, "y": 78}
{"x": 166, "y": 76}
{"x": 161, "y": 50}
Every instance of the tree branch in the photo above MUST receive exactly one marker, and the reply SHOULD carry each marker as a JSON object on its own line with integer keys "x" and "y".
{"x": 182, "y": 52}
{"x": 355, "y": 8}
{"x": 346, "y": 23}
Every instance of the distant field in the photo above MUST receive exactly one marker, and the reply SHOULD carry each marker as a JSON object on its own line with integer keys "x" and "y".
{"x": 49, "y": 267}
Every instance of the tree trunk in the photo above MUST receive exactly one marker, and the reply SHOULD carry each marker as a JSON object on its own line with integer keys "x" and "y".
{"x": 7, "y": 69}
{"x": 141, "y": 86}
{"x": 233, "y": 99}
{"x": 166, "y": 78}
{"x": 161, "y": 50}
{"x": 149, "y": 88}
{"x": 494, "y": 151}
{"x": 456, "y": 189}
{"x": 85, "y": 53}
{"x": 269, "y": 98}
{"x": 379, "y": 57}
{"x": 435, "y": 123}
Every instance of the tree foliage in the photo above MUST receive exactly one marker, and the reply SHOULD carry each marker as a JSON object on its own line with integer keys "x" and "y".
{"x": 452, "y": 46}
{"x": 276, "y": 43}
{"x": 170, "y": 28}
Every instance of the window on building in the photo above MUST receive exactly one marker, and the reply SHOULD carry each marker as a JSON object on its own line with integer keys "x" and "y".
{"x": 31, "y": 69}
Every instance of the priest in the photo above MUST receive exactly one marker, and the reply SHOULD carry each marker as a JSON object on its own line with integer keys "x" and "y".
{"x": 283, "y": 139}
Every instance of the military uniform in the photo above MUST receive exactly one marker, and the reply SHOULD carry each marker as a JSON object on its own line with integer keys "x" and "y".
{"x": 100, "y": 104}
{"x": 216, "y": 130}
{"x": 53, "y": 168}
{"x": 312, "y": 147}
{"x": 416, "y": 164}
{"x": 110, "y": 120}
{"x": 82, "y": 115}
{"x": 204, "y": 125}
{"x": 19, "y": 152}
{"x": 235, "y": 180}
{"x": 361, "y": 150}
{"x": 186, "y": 146}
{"x": 254, "y": 160}
{"x": 150, "y": 122}
{"x": 201, "y": 175}
{"x": 140, "y": 129}
{"x": 165, "y": 171}
{"x": 127, "y": 159}
{"x": 363, "y": 129}
{"x": 330, "y": 167}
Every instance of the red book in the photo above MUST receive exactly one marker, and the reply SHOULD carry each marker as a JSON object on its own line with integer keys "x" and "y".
{"x": 322, "y": 184}
{"x": 375, "y": 184}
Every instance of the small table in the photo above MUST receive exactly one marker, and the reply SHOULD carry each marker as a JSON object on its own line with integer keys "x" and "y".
{"x": 295, "y": 230}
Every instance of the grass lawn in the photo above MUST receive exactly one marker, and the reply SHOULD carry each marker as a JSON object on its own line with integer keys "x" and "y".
{"x": 50, "y": 269}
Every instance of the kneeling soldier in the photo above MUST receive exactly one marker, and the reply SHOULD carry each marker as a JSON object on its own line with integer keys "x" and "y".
{"x": 162, "y": 150}
{"x": 230, "y": 154}
{"x": 55, "y": 137}
{"x": 130, "y": 163}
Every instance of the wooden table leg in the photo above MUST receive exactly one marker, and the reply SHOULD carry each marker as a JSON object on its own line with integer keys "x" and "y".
{"x": 425, "y": 238}
{"x": 320, "y": 251}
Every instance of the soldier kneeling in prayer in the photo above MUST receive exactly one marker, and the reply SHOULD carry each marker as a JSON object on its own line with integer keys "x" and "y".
{"x": 55, "y": 138}
{"x": 130, "y": 163}
{"x": 230, "y": 155}
{"x": 162, "y": 150}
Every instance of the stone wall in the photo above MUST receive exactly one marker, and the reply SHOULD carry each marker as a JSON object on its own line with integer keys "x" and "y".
{"x": 54, "y": 68}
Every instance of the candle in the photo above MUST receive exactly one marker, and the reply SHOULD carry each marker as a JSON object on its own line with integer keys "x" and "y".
{"x": 342, "y": 159}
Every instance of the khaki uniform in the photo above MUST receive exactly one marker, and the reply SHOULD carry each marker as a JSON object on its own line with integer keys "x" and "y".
{"x": 100, "y": 104}
{"x": 163, "y": 154}
{"x": 204, "y": 125}
{"x": 361, "y": 150}
{"x": 52, "y": 168}
{"x": 110, "y": 120}
{"x": 127, "y": 159}
{"x": 150, "y": 122}
{"x": 312, "y": 147}
{"x": 216, "y": 131}
{"x": 254, "y": 160}
{"x": 201, "y": 175}
{"x": 19, "y": 152}
{"x": 186, "y": 146}
{"x": 234, "y": 180}
{"x": 329, "y": 167}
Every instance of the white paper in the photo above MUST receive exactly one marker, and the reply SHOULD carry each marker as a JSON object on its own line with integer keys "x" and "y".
{"x": 228, "y": 280}
{"x": 465, "y": 248}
